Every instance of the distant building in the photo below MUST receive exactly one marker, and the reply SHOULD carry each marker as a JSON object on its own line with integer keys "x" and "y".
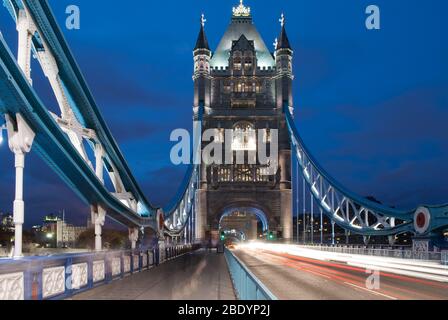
{"x": 67, "y": 234}
{"x": 7, "y": 222}
{"x": 60, "y": 233}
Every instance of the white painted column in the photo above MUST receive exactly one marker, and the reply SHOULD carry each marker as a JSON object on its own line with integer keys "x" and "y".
{"x": 20, "y": 140}
{"x": 24, "y": 47}
{"x": 333, "y": 240}
{"x": 99, "y": 166}
{"x": 19, "y": 204}
{"x": 98, "y": 219}
{"x": 133, "y": 237}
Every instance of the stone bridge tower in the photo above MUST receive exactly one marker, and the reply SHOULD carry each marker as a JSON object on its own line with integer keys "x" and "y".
{"x": 243, "y": 87}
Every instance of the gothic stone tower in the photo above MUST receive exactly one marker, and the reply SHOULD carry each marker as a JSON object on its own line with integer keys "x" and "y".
{"x": 243, "y": 86}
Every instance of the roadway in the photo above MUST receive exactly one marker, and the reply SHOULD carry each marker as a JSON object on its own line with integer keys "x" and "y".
{"x": 194, "y": 276}
{"x": 292, "y": 277}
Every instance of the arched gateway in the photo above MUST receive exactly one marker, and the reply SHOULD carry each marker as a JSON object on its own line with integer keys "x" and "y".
{"x": 243, "y": 87}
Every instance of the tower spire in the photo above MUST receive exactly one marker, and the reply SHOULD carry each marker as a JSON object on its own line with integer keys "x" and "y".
{"x": 202, "y": 42}
{"x": 283, "y": 41}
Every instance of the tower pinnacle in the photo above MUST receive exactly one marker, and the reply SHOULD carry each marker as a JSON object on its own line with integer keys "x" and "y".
{"x": 241, "y": 10}
{"x": 282, "y": 20}
{"x": 202, "y": 42}
{"x": 283, "y": 41}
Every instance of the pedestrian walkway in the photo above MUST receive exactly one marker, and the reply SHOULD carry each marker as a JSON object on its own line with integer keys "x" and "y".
{"x": 194, "y": 276}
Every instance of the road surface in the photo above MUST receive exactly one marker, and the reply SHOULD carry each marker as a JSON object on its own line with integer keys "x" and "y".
{"x": 291, "y": 277}
{"x": 195, "y": 276}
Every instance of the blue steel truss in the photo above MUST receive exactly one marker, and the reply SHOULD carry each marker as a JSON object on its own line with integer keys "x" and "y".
{"x": 347, "y": 209}
{"x": 351, "y": 211}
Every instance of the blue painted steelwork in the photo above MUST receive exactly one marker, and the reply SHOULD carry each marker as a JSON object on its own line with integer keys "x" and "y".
{"x": 246, "y": 284}
{"x": 66, "y": 160}
{"x": 179, "y": 212}
{"x": 13, "y": 7}
{"x": 53, "y": 145}
{"x": 80, "y": 97}
{"x": 353, "y": 212}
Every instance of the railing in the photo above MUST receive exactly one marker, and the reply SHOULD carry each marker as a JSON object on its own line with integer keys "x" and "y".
{"x": 60, "y": 277}
{"x": 247, "y": 285}
{"x": 391, "y": 253}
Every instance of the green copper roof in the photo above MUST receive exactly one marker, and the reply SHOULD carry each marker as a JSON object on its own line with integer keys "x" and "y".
{"x": 237, "y": 28}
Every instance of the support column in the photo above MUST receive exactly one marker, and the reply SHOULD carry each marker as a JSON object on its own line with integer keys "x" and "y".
{"x": 321, "y": 226}
{"x": 391, "y": 240}
{"x": 133, "y": 237}
{"x": 333, "y": 242}
{"x": 20, "y": 140}
{"x": 19, "y": 204}
{"x": 200, "y": 220}
{"x": 99, "y": 165}
{"x": 98, "y": 219}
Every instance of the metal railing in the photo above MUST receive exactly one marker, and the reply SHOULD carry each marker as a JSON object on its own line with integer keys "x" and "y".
{"x": 60, "y": 277}
{"x": 380, "y": 252}
{"x": 246, "y": 284}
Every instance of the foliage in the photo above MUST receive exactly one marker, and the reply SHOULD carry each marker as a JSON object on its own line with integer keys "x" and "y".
{"x": 112, "y": 239}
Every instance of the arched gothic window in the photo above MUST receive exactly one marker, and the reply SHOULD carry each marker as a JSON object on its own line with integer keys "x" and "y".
{"x": 244, "y": 137}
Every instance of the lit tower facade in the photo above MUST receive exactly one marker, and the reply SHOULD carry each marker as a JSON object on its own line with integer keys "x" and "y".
{"x": 243, "y": 87}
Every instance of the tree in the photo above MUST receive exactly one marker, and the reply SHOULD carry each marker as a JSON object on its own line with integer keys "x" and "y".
{"x": 112, "y": 239}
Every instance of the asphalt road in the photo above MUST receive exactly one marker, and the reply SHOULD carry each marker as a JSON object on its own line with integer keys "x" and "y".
{"x": 298, "y": 278}
{"x": 196, "y": 276}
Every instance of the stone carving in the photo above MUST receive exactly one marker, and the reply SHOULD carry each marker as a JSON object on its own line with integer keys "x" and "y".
{"x": 136, "y": 263}
{"x": 127, "y": 264}
{"x": 53, "y": 282}
{"x": 99, "y": 269}
{"x": 79, "y": 276}
{"x": 12, "y": 286}
{"x": 116, "y": 266}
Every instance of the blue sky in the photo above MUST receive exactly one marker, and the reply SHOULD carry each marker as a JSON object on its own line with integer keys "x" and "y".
{"x": 372, "y": 106}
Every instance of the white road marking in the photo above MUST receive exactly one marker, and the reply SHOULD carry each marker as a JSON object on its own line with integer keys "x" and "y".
{"x": 371, "y": 291}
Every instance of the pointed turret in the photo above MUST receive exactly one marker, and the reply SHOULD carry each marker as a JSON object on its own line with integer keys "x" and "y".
{"x": 202, "y": 55}
{"x": 283, "y": 59}
{"x": 283, "y": 42}
{"x": 202, "y": 42}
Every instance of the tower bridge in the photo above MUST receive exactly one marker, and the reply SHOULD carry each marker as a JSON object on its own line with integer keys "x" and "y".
{"x": 240, "y": 86}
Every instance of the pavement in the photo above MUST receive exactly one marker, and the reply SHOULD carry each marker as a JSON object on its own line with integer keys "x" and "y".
{"x": 293, "y": 277}
{"x": 195, "y": 276}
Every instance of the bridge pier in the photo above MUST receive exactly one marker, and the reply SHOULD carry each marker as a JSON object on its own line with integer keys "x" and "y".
{"x": 20, "y": 140}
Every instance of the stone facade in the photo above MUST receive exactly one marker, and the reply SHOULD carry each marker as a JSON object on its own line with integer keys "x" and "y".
{"x": 243, "y": 86}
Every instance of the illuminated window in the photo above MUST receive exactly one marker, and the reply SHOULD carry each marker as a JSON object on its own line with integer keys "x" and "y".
{"x": 267, "y": 136}
{"x": 248, "y": 64}
{"x": 244, "y": 137}
{"x": 237, "y": 64}
{"x": 224, "y": 175}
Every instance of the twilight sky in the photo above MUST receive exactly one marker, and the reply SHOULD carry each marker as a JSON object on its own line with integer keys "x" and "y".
{"x": 372, "y": 106}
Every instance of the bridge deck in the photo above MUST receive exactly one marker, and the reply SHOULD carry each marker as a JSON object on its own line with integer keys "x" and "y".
{"x": 195, "y": 276}
{"x": 298, "y": 278}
